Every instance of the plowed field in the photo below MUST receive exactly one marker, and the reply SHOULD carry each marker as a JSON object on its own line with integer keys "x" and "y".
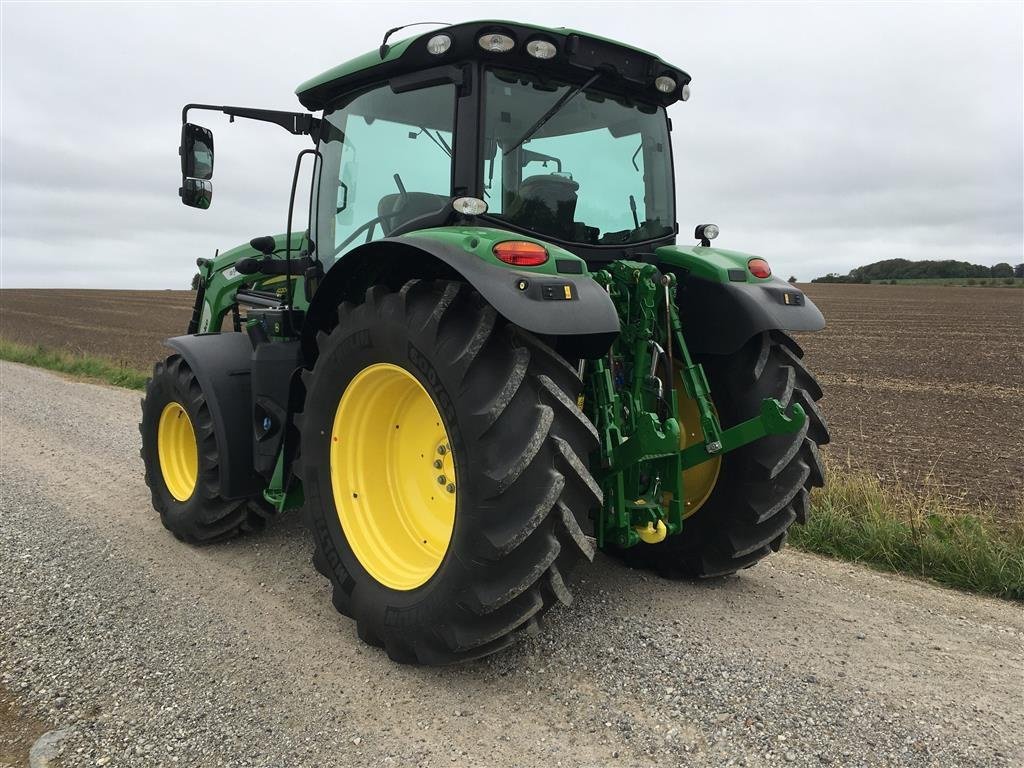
{"x": 923, "y": 384}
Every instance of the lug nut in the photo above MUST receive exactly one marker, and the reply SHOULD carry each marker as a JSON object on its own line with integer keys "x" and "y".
{"x": 450, "y": 487}
{"x": 441, "y": 479}
{"x": 442, "y": 450}
{"x": 438, "y": 464}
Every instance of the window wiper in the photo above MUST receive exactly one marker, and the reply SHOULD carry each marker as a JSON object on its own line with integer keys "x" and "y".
{"x": 438, "y": 140}
{"x": 551, "y": 112}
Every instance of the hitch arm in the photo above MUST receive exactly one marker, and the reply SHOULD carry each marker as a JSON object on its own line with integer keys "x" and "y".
{"x": 771, "y": 421}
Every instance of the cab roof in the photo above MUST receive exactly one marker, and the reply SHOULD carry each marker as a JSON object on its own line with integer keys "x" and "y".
{"x": 629, "y": 69}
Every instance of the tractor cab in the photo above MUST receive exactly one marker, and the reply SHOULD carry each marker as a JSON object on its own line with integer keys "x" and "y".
{"x": 555, "y": 134}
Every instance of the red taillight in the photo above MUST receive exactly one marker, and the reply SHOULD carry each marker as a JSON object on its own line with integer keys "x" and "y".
{"x": 521, "y": 253}
{"x": 759, "y": 268}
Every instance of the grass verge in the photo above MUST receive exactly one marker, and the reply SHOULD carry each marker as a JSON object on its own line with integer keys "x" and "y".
{"x": 920, "y": 533}
{"x": 855, "y": 517}
{"x": 82, "y": 366}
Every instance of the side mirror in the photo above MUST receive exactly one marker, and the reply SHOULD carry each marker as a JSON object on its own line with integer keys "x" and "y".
{"x": 196, "y": 152}
{"x": 196, "y": 193}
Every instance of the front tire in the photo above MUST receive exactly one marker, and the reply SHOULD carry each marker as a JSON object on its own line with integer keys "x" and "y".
{"x": 760, "y": 489}
{"x": 501, "y": 554}
{"x": 179, "y": 451}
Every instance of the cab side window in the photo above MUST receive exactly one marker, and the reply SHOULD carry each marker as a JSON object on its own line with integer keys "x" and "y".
{"x": 387, "y": 161}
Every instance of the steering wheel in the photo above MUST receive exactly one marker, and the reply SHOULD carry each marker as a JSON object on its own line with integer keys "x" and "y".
{"x": 372, "y": 223}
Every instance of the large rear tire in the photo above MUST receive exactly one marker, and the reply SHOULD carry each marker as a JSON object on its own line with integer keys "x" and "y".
{"x": 762, "y": 488}
{"x": 179, "y": 451}
{"x": 443, "y": 562}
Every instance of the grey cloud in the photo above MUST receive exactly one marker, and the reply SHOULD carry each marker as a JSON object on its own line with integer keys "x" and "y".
{"x": 821, "y": 136}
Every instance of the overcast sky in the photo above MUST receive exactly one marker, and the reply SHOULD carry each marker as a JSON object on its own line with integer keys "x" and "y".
{"x": 821, "y": 136}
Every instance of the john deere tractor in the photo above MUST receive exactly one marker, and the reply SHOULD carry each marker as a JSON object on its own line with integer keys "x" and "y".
{"x": 483, "y": 353}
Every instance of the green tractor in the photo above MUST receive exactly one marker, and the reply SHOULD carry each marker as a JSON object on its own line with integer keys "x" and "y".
{"x": 485, "y": 355}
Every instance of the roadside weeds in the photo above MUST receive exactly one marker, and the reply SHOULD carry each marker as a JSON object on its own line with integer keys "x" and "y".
{"x": 80, "y": 366}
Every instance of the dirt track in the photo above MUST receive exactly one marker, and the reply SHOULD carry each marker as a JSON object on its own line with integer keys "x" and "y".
{"x": 153, "y": 653}
{"x": 922, "y": 383}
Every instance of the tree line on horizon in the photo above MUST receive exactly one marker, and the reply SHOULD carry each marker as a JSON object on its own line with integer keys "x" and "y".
{"x": 904, "y": 269}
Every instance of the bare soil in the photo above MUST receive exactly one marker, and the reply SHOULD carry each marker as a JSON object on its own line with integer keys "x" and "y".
{"x": 924, "y": 387}
{"x": 922, "y": 383}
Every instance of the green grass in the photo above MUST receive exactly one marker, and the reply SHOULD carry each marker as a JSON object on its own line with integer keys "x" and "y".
{"x": 923, "y": 534}
{"x": 855, "y": 517}
{"x": 82, "y": 366}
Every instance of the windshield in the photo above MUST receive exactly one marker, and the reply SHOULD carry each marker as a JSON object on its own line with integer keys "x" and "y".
{"x": 597, "y": 171}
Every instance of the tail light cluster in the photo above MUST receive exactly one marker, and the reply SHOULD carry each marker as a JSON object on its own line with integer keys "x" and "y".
{"x": 521, "y": 253}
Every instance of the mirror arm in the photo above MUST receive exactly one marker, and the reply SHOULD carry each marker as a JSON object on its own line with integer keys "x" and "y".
{"x": 297, "y": 123}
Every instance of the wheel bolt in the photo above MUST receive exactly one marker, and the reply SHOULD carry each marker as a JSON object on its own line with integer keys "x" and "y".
{"x": 437, "y": 464}
{"x": 442, "y": 450}
{"x": 450, "y": 488}
{"x": 441, "y": 479}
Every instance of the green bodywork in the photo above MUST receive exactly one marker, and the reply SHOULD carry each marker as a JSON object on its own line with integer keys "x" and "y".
{"x": 629, "y": 394}
{"x": 222, "y": 281}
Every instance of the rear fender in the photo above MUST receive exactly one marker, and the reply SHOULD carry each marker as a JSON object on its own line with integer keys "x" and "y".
{"x": 722, "y": 305}
{"x": 571, "y": 307}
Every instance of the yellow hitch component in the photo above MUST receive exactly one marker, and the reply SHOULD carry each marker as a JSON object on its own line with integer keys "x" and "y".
{"x": 177, "y": 451}
{"x": 651, "y": 533}
{"x": 393, "y": 476}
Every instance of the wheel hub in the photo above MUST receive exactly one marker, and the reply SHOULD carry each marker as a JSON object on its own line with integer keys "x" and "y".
{"x": 177, "y": 451}
{"x": 393, "y": 476}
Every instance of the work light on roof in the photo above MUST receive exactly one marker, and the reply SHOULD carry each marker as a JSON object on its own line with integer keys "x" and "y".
{"x": 665, "y": 84}
{"x": 439, "y": 44}
{"x": 496, "y": 42}
{"x": 684, "y": 94}
{"x": 541, "y": 49}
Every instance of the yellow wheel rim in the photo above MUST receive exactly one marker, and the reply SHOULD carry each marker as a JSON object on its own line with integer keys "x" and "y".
{"x": 393, "y": 476}
{"x": 698, "y": 481}
{"x": 177, "y": 451}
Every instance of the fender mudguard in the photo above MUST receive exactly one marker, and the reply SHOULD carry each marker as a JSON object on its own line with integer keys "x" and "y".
{"x": 718, "y": 318}
{"x": 222, "y": 363}
{"x": 585, "y": 325}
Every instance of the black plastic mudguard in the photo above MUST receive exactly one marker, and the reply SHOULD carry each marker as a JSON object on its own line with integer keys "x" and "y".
{"x": 585, "y": 325}
{"x": 222, "y": 363}
{"x": 718, "y": 318}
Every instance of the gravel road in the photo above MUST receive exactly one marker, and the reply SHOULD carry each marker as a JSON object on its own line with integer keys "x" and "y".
{"x": 145, "y": 651}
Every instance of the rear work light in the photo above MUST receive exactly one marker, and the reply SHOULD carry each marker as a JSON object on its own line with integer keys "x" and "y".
{"x": 496, "y": 42}
{"x": 521, "y": 253}
{"x": 759, "y": 268}
{"x": 541, "y": 49}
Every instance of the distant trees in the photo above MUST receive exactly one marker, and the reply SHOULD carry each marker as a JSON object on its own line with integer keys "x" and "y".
{"x": 1018, "y": 271}
{"x": 792, "y": 279}
{"x": 904, "y": 269}
{"x": 1002, "y": 270}
{"x": 196, "y": 280}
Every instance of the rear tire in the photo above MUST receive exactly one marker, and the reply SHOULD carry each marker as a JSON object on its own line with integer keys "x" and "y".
{"x": 193, "y": 511}
{"x": 762, "y": 488}
{"x": 519, "y": 444}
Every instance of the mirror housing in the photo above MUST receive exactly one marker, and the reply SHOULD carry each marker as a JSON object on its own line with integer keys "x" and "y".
{"x": 196, "y": 152}
{"x": 196, "y": 193}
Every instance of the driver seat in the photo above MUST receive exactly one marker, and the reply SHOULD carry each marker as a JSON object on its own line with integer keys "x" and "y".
{"x": 546, "y": 203}
{"x": 396, "y": 209}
